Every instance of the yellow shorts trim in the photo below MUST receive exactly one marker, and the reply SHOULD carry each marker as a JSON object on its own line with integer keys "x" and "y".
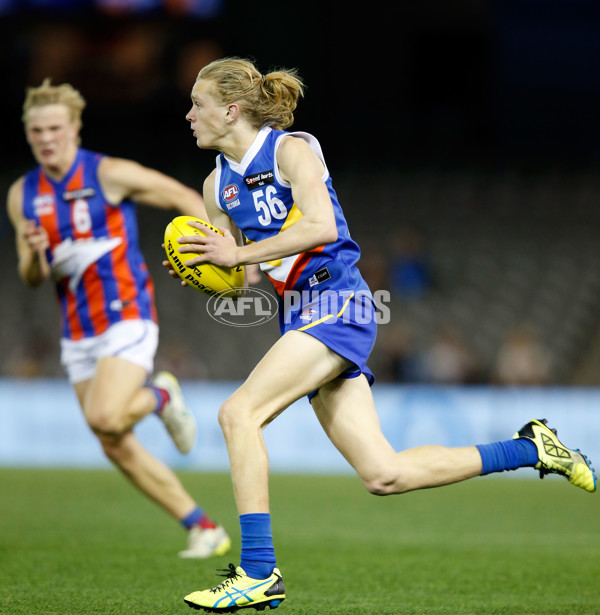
{"x": 318, "y": 322}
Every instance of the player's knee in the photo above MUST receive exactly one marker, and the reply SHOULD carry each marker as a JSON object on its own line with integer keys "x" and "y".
{"x": 383, "y": 484}
{"x": 105, "y": 423}
{"x": 230, "y": 416}
{"x": 234, "y": 417}
{"x": 376, "y": 487}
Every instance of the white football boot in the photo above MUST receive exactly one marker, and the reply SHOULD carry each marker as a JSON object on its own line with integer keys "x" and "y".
{"x": 206, "y": 543}
{"x": 178, "y": 419}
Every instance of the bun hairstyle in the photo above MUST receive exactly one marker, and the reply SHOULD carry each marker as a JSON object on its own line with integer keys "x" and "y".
{"x": 264, "y": 100}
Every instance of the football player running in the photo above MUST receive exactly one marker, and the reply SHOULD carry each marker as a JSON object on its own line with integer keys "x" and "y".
{"x": 74, "y": 217}
{"x": 288, "y": 210}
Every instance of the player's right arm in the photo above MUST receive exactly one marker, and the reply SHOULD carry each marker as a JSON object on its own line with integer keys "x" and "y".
{"x": 32, "y": 240}
{"x": 222, "y": 221}
{"x": 217, "y": 217}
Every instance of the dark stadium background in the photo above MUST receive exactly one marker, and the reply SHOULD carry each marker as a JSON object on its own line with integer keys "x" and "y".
{"x": 463, "y": 137}
{"x": 416, "y": 105}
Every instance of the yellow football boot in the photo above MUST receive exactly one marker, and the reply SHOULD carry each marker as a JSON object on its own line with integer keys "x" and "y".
{"x": 239, "y": 591}
{"x": 556, "y": 458}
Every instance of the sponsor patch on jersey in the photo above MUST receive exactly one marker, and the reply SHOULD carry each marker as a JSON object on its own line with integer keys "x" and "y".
{"x": 319, "y": 276}
{"x": 262, "y": 178}
{"x": 230, "y": 193}
{"x": 83, "y": 193}
{"x": 116, "y": 305}
{"x": 43, "y": 204}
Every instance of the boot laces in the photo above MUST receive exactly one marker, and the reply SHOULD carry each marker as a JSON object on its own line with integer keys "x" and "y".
{"x": 230, "y": 574}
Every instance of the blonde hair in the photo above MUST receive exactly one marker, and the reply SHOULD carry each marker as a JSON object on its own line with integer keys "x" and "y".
{"x": 264, "y": 100}
{"x": 47, "y": 94}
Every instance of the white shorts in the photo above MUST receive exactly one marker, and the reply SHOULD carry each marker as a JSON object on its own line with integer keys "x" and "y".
{"x": 133, "y": 340}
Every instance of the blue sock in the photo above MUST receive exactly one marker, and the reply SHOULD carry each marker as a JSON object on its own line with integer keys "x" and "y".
{"x": 258, "y": 553}
{"x": 507, "y": 455}
{"x": 193, "y": 518}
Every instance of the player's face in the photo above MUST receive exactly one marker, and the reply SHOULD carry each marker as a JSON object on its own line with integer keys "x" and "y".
{"x": 207, "y": 119}
{"x": 52, "y": 136}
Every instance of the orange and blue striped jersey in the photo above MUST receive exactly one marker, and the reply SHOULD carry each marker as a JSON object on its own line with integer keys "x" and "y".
{"x": 253, "y": 194}
{"x": 100, "y": 273}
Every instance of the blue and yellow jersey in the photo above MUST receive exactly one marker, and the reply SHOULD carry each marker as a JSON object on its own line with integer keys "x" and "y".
{"x": 253, "y": 194}
{"x": 335, "y": 304}
{"x": 101, "y": 277}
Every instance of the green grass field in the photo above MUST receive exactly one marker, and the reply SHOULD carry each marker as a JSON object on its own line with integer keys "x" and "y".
{"x": 84, "y": 542}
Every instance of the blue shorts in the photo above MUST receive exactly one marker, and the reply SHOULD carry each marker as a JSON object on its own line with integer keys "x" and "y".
{"x": 343, "y": 320}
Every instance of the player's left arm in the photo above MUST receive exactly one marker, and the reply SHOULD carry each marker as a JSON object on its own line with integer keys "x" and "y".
{"x": 125, "y": 179}
{"x": 302, "y": 168}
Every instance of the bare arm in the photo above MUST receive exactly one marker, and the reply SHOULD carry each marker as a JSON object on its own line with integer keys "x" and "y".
{"x": 217, "y": 217}
{"x": 222, "y": 221}
{"x": 125, "y": 179}
{"x": 225, "y": 224}
{"x": 214, "y": 216}
{"x": 301, "y": 167}
{"x": 32, "y": 240}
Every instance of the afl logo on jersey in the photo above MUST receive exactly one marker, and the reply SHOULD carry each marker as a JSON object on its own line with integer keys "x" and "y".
{"x": 230, "y": 193}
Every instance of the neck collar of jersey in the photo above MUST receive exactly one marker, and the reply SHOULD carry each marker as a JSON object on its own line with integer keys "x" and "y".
{"x": 240, "y": 167}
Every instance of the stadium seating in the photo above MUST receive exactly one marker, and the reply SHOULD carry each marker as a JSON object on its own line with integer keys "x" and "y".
{"x": 503, "y": 250}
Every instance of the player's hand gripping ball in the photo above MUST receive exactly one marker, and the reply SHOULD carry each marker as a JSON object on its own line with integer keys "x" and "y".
{"x": 205, "y": 277}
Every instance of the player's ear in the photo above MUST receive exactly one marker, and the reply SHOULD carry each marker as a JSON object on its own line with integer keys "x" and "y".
{"x": 233, "y": 112}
